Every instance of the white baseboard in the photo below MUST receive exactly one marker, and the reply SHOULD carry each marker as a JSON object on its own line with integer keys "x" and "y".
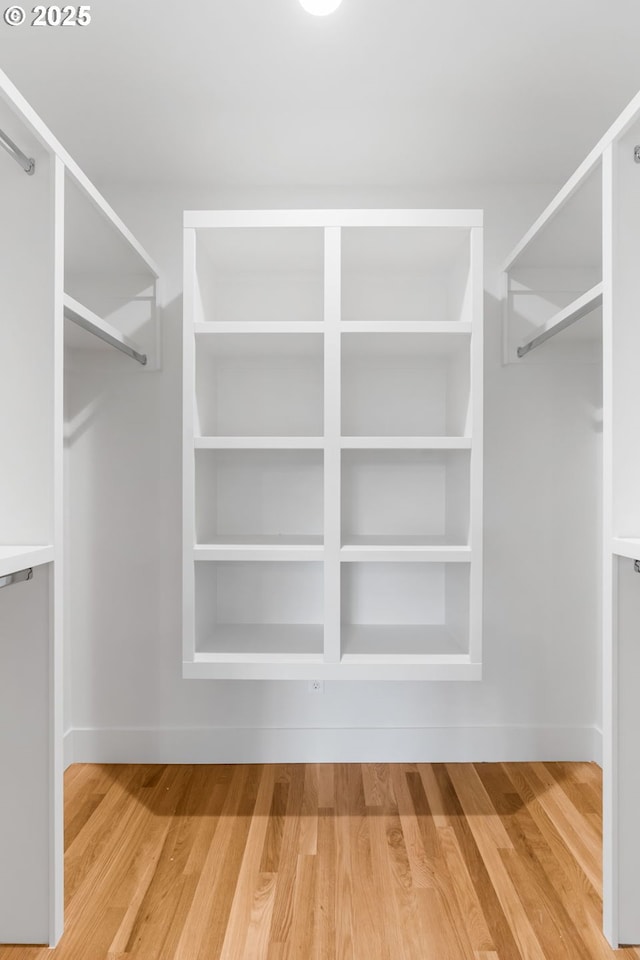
{"x": 333, "y": 744}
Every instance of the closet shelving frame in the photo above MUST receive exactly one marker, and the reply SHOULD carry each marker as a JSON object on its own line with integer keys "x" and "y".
{"x": 576, "y": 270}
{"x": 57, "y": 237}
{"x": 332, "y": 472}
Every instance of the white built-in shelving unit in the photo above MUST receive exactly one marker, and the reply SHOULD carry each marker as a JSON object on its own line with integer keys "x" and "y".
{"x": 333, "y": 444}
{"x": 72, "y": 276}
{"x": 572, "y": 294}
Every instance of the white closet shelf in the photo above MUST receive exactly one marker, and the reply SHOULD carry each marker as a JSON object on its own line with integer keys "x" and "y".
{"x": 615, "y": 131}
{"x": 402, "y": 550}
{"x": 265, "y": 549}
{"x": 626, "y": 547}
{"x": 17, "y": 557}
{"x": 436, "y": 328}
{"x": 405, "y": 443}
{"x": 400, "y": 643}
{"x": 583, "y": 305}
{"x": 357, "y": 667}
{"x": 93, "y": 324}
{"x": 262, "y": 643}
{"x": 379, "y": 217}
{"x": 11, "y": 94}
{"x": 259, "y": 443}
{"x": 259, "y": 326}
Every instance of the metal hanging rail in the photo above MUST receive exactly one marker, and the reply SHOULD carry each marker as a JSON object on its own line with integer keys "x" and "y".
{"x": 17, "y": 577}
{"x": 93, "y": 324}
{"x": 580, "y": 308}
{"x": 28, "y": 164}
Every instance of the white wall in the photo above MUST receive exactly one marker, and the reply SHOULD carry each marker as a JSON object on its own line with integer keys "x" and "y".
{"x": 540, "y": 695}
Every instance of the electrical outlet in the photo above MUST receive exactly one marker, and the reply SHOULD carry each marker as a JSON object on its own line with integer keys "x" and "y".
{"x": 316, "y": 686}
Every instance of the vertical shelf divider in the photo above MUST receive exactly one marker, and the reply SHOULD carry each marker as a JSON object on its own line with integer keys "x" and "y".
{"x": 188, "y": 453}
{"x": 332, "y": 432}
{"x": 476, "y": 394}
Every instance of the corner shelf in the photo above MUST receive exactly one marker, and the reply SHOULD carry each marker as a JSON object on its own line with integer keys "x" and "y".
{"x": 332, "y": 446}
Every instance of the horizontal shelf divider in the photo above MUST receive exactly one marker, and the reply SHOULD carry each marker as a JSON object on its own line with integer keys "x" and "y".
{"x": 583, "y": 305}
{"x": 258, "y": 443}
{"x": 276, "y": 658}
{"x": 441, "y": 659}
{"x": 15, "y": 557}
{"x": 259, "y": 326}
{"x": 405, "y": 553}
{"x": 258, "y": 551}
{"x": 405, "y": 443}
{"x": 92, "y": 323}
{"x": 626, "y": 547}
{"x": 406, "y": 326}
{"x": 352, "y": 667}
{"x": 210, "y": 219}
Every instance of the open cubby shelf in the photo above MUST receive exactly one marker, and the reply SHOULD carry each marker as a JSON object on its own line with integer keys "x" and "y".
{"x": 405, "y": 384}
{"x": 333, "y": 444}
{"x": 405, "y": 497}
{"x": 259, "y": 496}
{"x": 259, "y": 385}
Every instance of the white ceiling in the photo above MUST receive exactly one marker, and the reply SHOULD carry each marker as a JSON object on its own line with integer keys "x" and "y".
{"x": 384, "y": 92}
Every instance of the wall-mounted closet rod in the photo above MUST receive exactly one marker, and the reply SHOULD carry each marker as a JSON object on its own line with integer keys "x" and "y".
{"x": 580, "y": 308}
{"x": 28, "y": 164}
{"x": 92, "y": 327}
{"x": 17, "y": 577}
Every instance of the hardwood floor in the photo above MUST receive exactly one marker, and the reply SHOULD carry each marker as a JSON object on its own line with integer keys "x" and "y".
{"x": 332, "y": 862}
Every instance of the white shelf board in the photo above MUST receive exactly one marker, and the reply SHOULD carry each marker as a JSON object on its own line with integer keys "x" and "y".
{"x": 404, "y": 343}
{"x": 355, "y": 668}
{"x": 403, "y": 549}
{"x": 615, "y": 131}
{"x": 102, "y": 333}
{"x": 18, "y": 557}
{"x": 262, "y": 643}
{"x": 209, "y": 219}
{"x": 258, "y": 443}
{"x": 401, "y": 643}
{"x": 265, "y": 540}
{"x": 259, "y": 326}
{"x": 626, "y": 547}
{"x": 435, "y": 328}
{"x": 266, "y": 551}
{"x": 10, "y": 94}
{"x": 581, "y": 307}
{"x": 263, "y": 343}
{"x": 405, "y": 443}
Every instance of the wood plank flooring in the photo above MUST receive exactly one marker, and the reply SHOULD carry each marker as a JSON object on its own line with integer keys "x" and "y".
{"x": 332, "y": 862}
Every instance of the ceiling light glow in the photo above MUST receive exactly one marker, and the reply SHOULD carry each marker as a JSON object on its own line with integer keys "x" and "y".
{"x": 320, "y": 8}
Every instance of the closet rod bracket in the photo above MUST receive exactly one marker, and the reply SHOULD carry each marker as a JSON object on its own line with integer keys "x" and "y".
{"x": 28, "y": 164}
{"x": 16, "y": 577}
{"x": 636, "y": 566}
{"x": 636, "y": 153}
